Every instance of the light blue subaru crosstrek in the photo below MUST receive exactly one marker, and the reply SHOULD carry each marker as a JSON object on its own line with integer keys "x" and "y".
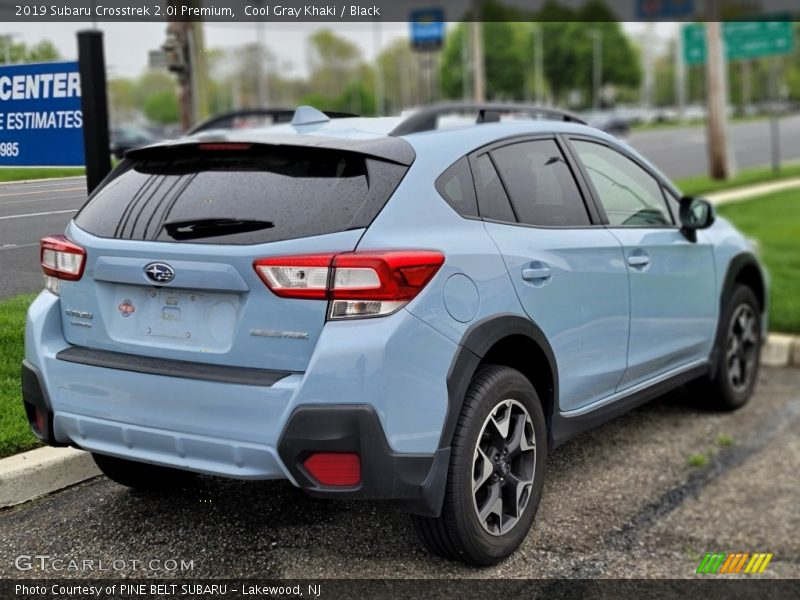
{"x": 384, "y": 309}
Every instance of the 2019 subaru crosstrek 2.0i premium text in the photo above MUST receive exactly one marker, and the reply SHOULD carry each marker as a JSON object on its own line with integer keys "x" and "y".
{"x": 384, "y": 309}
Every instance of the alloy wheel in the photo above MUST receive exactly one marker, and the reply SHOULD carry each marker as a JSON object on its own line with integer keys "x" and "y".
{"x": 503, "y": 467}
{"x": 741, "y": 352}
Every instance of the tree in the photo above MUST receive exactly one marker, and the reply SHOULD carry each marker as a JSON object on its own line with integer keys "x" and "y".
{"x": 19, "y": 52}
{"x": 333, "y": 62}
{"x": 569, "y": 51}
{"x": 400, "y": 66}
{"x": 162, "y": 107}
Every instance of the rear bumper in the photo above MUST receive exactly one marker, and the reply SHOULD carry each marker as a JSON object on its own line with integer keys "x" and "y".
{"x": 377, "y": 388}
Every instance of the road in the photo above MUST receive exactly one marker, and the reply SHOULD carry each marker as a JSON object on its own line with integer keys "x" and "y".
{"x": 28, "y": 212}
{"x": 619, "y": 501}
{"x": 681, "y": 152}
{"x": 31, "y": 211}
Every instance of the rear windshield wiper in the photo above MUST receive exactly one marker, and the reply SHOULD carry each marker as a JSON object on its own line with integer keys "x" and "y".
{"x": 203, "y": 228}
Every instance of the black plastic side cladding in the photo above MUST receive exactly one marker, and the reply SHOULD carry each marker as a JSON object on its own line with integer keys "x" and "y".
{"x": 412, "y": 481}
{"x": 34, "y": 396}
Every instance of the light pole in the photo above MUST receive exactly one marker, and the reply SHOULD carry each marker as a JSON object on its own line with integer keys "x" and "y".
{"x": 538, "y": 63}
{"x": 597, "y": 66}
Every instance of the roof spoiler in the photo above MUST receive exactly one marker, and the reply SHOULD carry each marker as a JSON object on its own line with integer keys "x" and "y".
{"x": 384, "y": 148}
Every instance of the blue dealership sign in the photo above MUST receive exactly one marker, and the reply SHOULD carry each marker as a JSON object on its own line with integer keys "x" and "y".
{"x": 41, "y": 122}
{"x": 427, "y": 28}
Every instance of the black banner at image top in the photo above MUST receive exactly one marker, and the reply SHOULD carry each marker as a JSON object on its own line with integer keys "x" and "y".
{"x": 333, "y": 11}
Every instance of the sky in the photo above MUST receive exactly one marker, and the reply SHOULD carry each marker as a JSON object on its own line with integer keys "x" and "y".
{"x": 127, "y": 44}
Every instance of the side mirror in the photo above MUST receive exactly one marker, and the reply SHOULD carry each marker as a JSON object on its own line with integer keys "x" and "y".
{"x": 695, "y": 213}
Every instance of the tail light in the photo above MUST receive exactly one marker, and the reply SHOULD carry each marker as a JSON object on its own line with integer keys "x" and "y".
{"x": 61, "y": 259}
{"x": 356, "y": 284}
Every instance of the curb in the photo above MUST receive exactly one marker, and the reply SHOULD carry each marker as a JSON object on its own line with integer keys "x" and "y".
{"x": 45, "y": 179}
{"x": 781, "y": 350}
{"x": 749, "y": 192}
{"x": 32, "y": 474}
{"x": 45, "y": 470}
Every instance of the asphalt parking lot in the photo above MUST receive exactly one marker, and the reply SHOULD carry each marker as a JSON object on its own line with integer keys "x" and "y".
{"x": 28, "y": 212}
{"x": 620, "y": 501}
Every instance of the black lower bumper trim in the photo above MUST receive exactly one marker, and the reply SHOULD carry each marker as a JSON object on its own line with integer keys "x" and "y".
{"x": 172, "y": 368}
{"x": 34, "y": 397}
{"x": 415, "y": 482}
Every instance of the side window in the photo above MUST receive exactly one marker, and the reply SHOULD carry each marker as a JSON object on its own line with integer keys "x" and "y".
{"x": 492, "y": 198}
{"x": 628, "y": 193}
{"x": 455, "y": 185}
{"x": 541, "y": 186}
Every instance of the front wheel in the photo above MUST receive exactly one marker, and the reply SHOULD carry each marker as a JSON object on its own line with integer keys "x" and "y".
{"x": 496, "y": 471}
{"x": 739, "y": 350}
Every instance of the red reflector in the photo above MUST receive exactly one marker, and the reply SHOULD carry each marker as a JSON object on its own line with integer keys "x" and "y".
{"x": 224, "y": 146}
{"x": 39, "y": 421}
{"x": 334, "y": 468}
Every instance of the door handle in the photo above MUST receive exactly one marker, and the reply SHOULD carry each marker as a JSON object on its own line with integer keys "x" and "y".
{"x": 638, "y": 261}
{"x": 536, "y": 274}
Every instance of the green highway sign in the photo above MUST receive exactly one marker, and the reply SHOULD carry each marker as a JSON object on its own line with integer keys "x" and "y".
{"x": 743, "y": 40}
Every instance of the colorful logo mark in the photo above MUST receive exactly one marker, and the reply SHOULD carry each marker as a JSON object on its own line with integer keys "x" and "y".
{"x": 737, "y": 562}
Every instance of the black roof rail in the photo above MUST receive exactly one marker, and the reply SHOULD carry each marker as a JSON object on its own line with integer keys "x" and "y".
{"x": 486, "y": 112}
{"x": 278, "y": 115}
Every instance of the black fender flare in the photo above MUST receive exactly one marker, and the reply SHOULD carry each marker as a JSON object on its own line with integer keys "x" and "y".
{"x": 475, "y": 343}
{"x": 737, "y": 264}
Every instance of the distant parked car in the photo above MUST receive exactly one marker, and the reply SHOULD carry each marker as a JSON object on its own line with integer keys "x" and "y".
{"x": 128, "y": 138}
{"x": 611, "y": 122}
{"x": 254, "y": 117}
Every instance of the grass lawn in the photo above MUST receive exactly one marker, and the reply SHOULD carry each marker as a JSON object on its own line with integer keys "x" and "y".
{"x": 703, "y": 184}
{"x": 774, "y": 220}
{"x": 22, "y": 174}
{"x": 14, "y": 433}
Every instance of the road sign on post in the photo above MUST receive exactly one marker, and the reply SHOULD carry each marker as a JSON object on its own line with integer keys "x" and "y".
{"x": 427, "y": 28}
{"x": 41, "y": 119}
{"x": 744, "y": 40}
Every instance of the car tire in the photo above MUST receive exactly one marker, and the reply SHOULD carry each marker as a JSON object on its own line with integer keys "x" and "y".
{"x": 739, "y": 353}
{"x": 469, "y": 528}
{"x": 143, "y": 476}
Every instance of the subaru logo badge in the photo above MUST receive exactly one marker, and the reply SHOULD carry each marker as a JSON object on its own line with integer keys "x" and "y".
{"x": 159, "y": 272}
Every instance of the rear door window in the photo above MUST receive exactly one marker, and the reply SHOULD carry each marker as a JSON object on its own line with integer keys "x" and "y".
{"x": 266, "y": 194}
{"x": 492, "y": 198}
{"x": 540, "y": 184}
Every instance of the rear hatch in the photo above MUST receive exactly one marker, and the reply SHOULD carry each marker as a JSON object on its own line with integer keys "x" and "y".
{"x": 171, "y": 238}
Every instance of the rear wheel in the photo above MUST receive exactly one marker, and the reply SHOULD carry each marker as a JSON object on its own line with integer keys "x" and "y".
{"x": 143, "y": 476}
{"x": 739, "y": 351}
{"x": 496, "y": 471}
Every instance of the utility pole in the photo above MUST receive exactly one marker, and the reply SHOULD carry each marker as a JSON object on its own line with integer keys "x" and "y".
{"x": 597, "y": 67}
{"x": 538, "y": 63}
{"x": 465, "y": 66}
{"x": 376, "y": 42}
{"x": 262, "y": 85}
{"x": 774, "y": 119}
{"x": 719, "y": 159}
{"x": 680, "y": 76}
{"x": 478, "y": 62}
{"x": 648, "y": 42}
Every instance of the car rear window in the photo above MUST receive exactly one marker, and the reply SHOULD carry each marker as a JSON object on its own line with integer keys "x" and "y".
{"x": 232, "y": 197}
